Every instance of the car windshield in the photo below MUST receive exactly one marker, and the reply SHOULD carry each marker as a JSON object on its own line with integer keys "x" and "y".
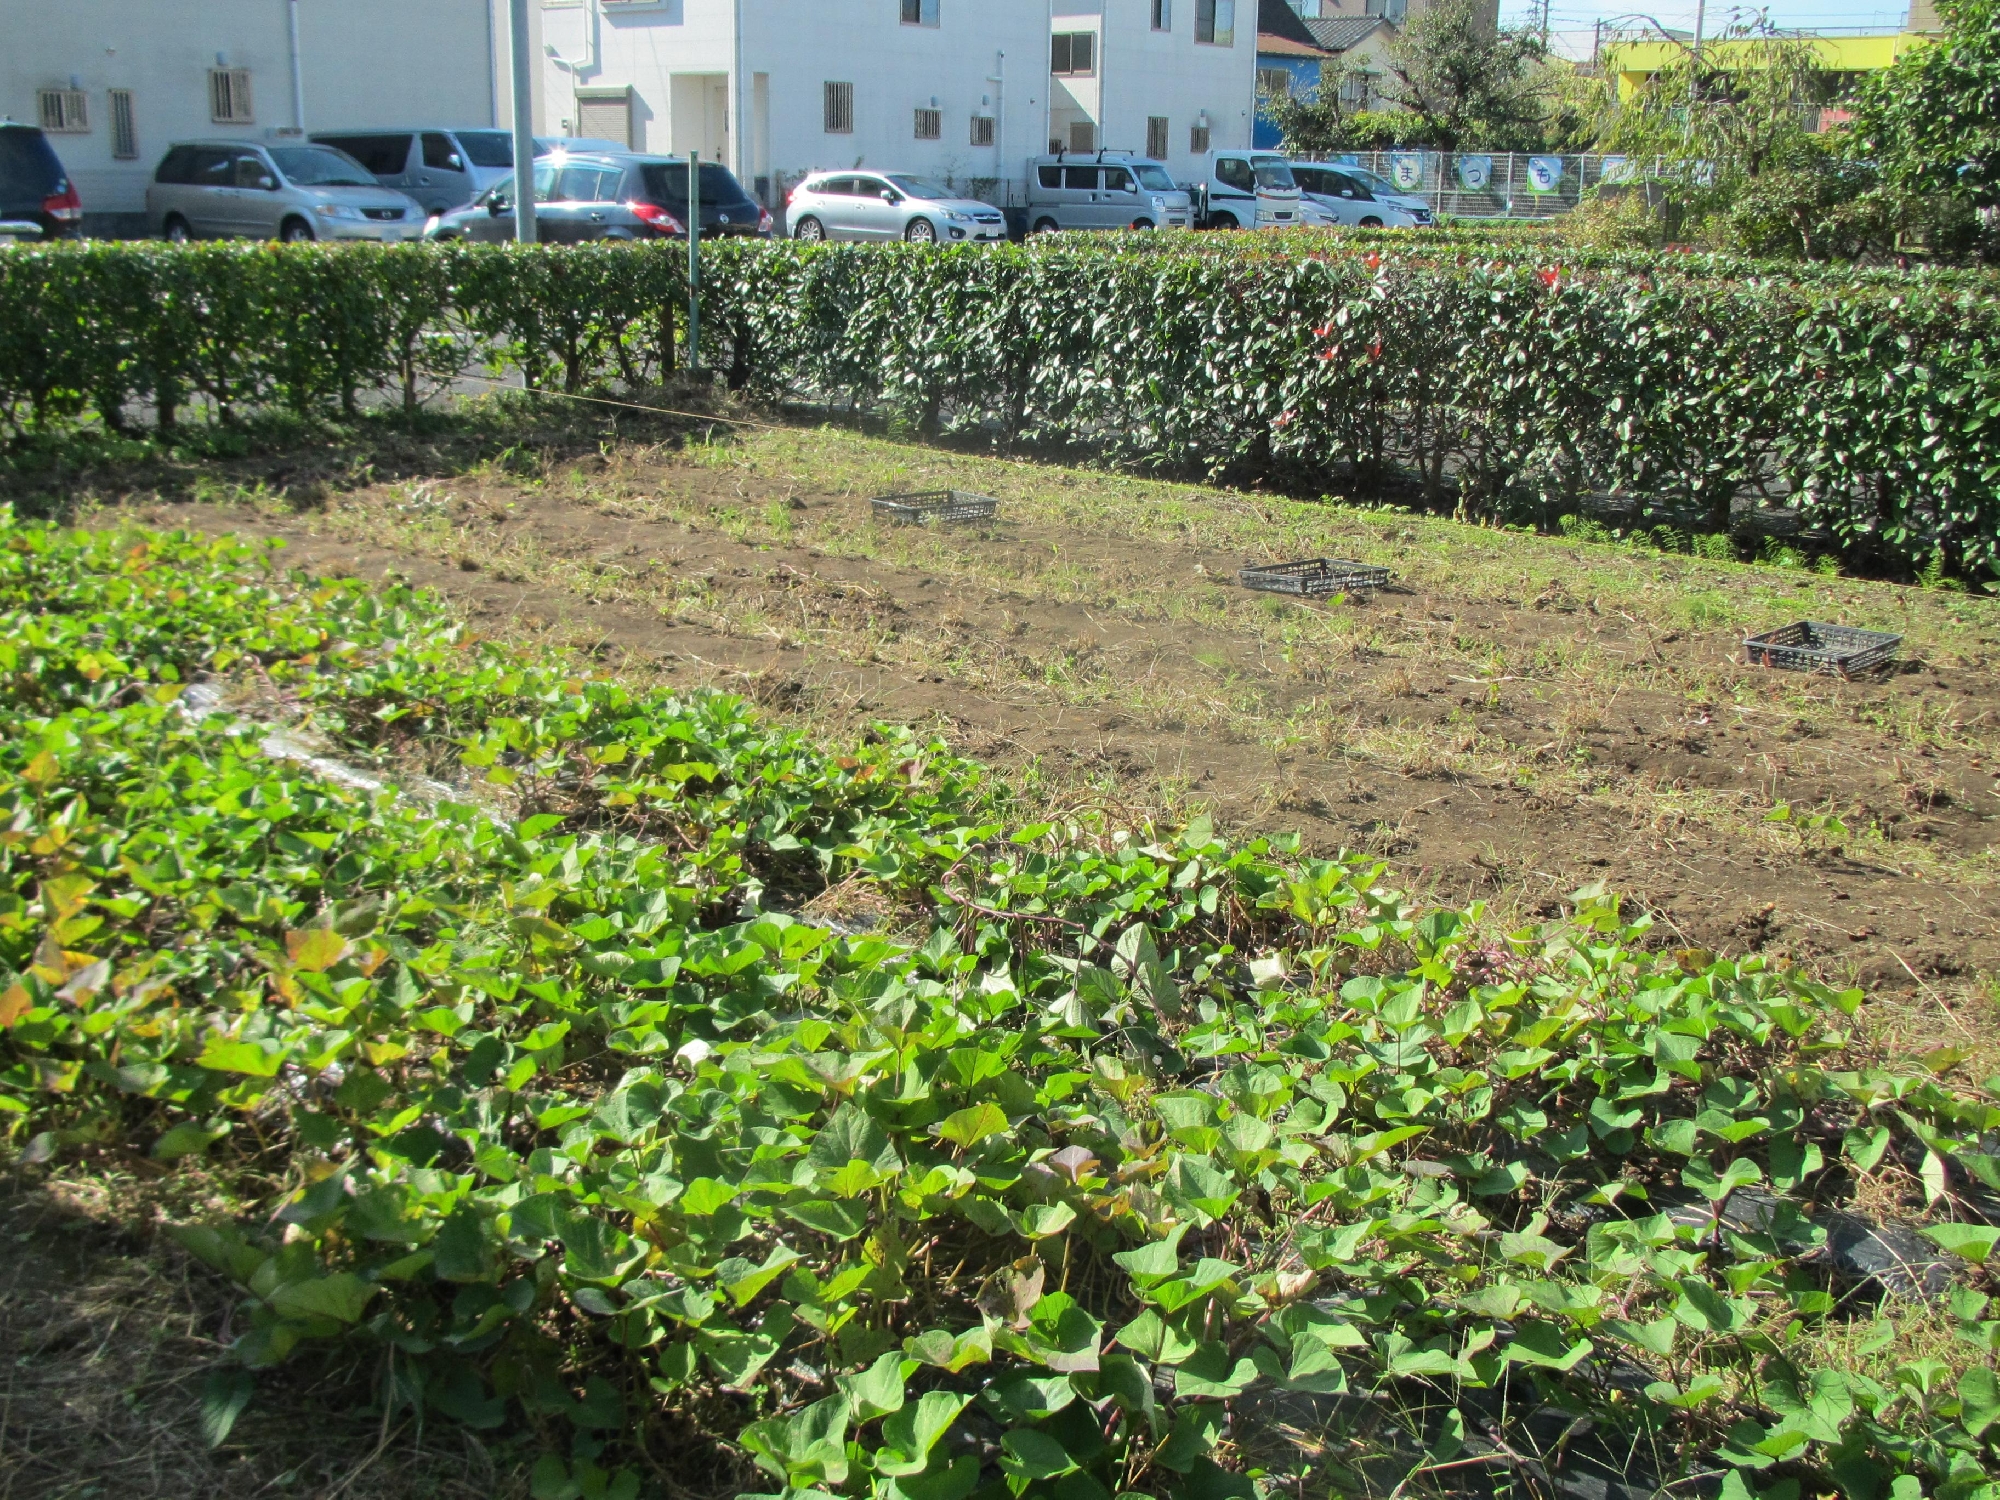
{"x": 922, "y": 187}
{"x": 667, "y": 183}
{"x": 1276, "y": 175}
{"x": 487, "y": 148}
{"x": 320, "y": 166}
{"x": 1154, "y": 179}
{"x": 1370, "y": 181}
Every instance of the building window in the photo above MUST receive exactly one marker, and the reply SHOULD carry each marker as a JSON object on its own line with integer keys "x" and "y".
{"x": 229, "y": 96}
{"x": 64, "y": 111}
{"x": 840, "y": 109}
{"x": 1156, "y": 137}
{"x": 124, "y": 128}
{"x": 920, "y": 12}
{"x": 1215, "y": 22}
{"x": 930, "y": 124}
{"x": 1072, "y": 53}
{"x": 1354, "y": 89}
{"x": 1274, "y": 82}
{"x": 982, "y": 130}
{"x": 1163, "y": 15}
{"x": 1198, "y": 139}
{"x": 1395, "y": 12}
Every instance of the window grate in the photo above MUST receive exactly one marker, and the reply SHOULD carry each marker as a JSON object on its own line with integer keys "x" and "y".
{"x": 1156, "y": 137}
{"x": 229, "y": 96}
{"x": 840, "y": 109}
{"x": 930, "y": 124}
{"x": 1082, "y": 135}
{"x": 124, "y": 127}
{"x": 1198, "y": 139}
{"x": 982, "y": 130}
{"x": 64, "y": 111}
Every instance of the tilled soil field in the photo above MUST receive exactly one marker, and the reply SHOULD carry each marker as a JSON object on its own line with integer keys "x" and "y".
{"x": 1513, "y": 718}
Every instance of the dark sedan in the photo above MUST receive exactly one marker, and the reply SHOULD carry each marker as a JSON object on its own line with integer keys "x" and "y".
{"x": 608, "y": 196}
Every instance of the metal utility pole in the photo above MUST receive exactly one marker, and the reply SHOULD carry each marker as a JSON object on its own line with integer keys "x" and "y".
{"x": 524, "y": 123}
{"x": 694, "y": 260}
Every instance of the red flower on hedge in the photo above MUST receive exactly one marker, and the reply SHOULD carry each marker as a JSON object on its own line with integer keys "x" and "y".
{"x": 1549, "y": 278}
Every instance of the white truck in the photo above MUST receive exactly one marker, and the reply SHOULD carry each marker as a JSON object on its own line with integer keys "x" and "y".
{"x": 1247, "y": 190}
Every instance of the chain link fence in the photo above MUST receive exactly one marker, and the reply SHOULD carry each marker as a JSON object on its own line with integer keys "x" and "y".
{"x": 1495, "y": 184}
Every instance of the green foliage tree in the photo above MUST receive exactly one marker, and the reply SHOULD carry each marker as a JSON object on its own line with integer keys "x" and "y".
{"x": 1933, "y": 120}
{"x": 1468, "y": 84}
{"x": 1312, "y": 121}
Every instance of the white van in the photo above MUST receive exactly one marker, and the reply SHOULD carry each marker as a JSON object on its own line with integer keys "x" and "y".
{"x": 1248, "y": 190}
{"x": 1104, "y": 190}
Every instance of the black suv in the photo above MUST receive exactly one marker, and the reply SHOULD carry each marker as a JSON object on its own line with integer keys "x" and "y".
{"x": 606, "y": 195}
{"x": 34, "y": 188}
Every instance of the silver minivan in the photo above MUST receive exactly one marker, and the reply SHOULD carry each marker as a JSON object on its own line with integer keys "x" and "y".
{"x": 1106, "y": 190}
{"x": 441, "y": 169}
{"x": 222, "y": 189}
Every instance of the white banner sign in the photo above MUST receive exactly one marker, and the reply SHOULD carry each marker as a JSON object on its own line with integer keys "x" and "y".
{"x": 1406, "y": 170}
{"x": 1475, "y": 172}
{"x": 1545, "y": 173}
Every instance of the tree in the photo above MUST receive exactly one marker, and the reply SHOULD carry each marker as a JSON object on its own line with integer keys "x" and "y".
{"x": 1468, "y": 84}
{"x": 1312, "y": 122}
{"x": 1932, "y": 121}
{"x": 1718, "y": 119}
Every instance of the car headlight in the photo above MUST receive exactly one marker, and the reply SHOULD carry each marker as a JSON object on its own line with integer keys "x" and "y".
{"x": 960, "y": 216}
{"x": 336, "y": 211}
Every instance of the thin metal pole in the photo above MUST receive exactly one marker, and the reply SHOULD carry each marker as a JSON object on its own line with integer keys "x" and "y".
{"x": 524, "y": 124}
{"x": 298, "y": 70}
{"x": 694, "y": 260}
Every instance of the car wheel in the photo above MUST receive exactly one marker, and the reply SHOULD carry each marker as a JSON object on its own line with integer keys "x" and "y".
{"x": 176, "y": 231}
{"x": 1371, "y": 222}
{"x": 1222, "y": 221}
{"x": 1046, "y": 226}
{"x": 296, "y": 232}
{"x": 1142, "y": 223}
{"x": 809, "y": 229}
{"x": 921, "y": 232}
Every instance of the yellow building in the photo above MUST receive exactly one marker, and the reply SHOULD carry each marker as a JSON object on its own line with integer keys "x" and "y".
{"x": 1633, "y": 62}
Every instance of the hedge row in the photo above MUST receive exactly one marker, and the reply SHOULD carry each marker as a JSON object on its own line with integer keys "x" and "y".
{"x": 1496, "y": 378}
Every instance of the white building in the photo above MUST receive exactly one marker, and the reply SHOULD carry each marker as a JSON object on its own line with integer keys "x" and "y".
{"x": 964, "y": 90}
{"x": 115, "y": 82}
{"x": 959, "y": 89}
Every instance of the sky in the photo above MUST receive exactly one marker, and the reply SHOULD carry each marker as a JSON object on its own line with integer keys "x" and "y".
{"x": 1581, "y": 15}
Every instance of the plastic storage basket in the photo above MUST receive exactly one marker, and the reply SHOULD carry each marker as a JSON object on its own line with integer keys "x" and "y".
{"x": 1812, "y": 646}
{"x": 941, "y": 506}
{"x": 1315, "y": 576}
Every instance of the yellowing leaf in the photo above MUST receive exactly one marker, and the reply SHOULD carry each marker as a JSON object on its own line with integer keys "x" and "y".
{"x": 316, "y": 948}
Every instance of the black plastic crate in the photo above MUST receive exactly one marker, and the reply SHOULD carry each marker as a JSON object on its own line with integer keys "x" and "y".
{"x": 1811, "y": 646}
{"x": 1315, "y": 576}
{"x": 941, "y": 506}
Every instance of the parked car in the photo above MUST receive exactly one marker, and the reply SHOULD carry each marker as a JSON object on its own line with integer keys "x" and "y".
{"x": 1386, "y": 191}
{"x": 218, "y": 189}
{"x": 888, "y": 206}
{"x": 609, "y": 196}
{"x": 443, "y": 169}
{"x": 1247, "y": 190}
{"x": 37, "y": 199}
{"x": 1105, "y": 190}
{"x": 1340, "y": 194}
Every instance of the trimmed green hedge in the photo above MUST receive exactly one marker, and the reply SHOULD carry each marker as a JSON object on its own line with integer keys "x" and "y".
{"x": 1488, "y": 373}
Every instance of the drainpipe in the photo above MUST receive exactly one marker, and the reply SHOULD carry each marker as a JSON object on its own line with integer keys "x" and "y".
{"x": 298, "y": 70}
{"x": 524, "y": 122}
{"x": 998, "y": 78}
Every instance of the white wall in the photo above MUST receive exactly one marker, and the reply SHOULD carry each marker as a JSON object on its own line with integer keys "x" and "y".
{"x": 1169, "y": 73}
{"x": 365, "y": 62}
{"x": 671, "y": 52}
